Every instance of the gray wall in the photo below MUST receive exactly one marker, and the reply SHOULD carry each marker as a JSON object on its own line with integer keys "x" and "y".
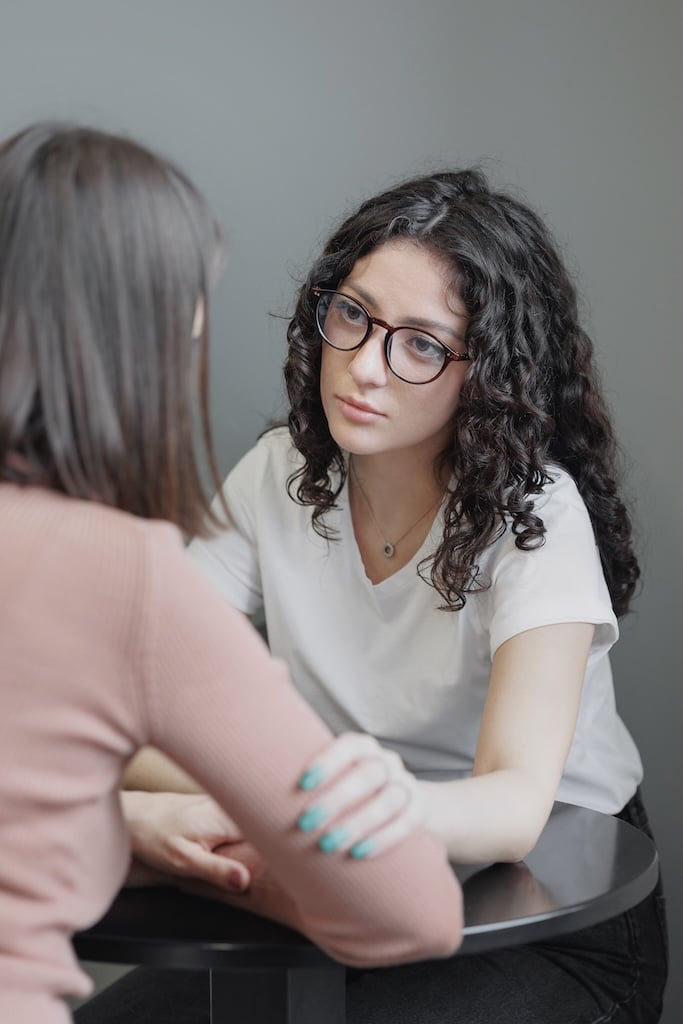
{"x": 288, "y": 111}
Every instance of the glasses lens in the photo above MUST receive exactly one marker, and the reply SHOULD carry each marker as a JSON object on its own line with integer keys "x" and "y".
{"x": 415, "y": 357}
{"x": 341, "y": 321}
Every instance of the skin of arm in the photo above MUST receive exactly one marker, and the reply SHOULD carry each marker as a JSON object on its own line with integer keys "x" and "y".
{"x": 177, "y": 835}
{"x": 526, "y": 732}
{"x": 152, "y": 771}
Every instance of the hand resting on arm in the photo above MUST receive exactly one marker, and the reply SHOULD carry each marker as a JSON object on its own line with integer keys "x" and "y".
{"x": 226, "y": 712}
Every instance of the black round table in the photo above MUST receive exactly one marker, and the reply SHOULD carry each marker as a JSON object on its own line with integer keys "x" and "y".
{"x": 585, "y": 868}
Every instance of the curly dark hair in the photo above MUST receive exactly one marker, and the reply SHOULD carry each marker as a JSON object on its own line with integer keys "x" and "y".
{"x": 531, "y": 398}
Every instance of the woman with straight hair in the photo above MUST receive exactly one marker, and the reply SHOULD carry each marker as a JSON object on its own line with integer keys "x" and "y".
{"x": 110, "y": 637}
{"x": 439, "y": 543}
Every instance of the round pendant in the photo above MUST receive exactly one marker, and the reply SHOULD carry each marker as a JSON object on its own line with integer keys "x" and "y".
{"x": 388, "y": 550}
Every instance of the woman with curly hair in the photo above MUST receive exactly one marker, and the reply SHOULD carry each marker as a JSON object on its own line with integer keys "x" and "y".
{"x": 439, "y": 545}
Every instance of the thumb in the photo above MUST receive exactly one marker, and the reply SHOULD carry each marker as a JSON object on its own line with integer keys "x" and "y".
{"x": 215, "y": 867}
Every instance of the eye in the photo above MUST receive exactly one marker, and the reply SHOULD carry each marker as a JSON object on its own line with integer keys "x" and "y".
{"x": 348, "y": 311}
{"x": 421, "y": 347}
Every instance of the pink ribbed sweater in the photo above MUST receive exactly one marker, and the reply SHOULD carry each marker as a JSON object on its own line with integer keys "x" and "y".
{"x": 110, "y": 639}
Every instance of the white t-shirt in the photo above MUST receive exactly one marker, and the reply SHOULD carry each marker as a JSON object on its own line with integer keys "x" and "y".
{"x": 384, "y": 659}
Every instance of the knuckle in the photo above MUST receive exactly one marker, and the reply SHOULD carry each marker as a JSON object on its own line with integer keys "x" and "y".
{"x": 400, "y": 797}
{"x": 395, "y": 760}
{"x": 373, "y": 773}
{"x": 367, "y": 744}
{"x": 177, "y": 859}
{"x": 344, "y": 738}
{"x": 347, "y": 792}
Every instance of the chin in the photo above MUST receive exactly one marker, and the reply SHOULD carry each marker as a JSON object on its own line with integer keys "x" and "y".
{"x": 350, "y": 437}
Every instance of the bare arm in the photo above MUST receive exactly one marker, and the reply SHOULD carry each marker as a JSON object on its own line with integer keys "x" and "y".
{"x": 526, "y": 732}
{"x": 157, "y": 773}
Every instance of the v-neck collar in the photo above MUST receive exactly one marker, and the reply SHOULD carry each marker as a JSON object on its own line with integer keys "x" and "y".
{"x": 404, "y": 576}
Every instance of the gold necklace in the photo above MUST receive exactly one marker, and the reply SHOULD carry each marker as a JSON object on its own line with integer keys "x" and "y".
{"x": 389, "y": 549}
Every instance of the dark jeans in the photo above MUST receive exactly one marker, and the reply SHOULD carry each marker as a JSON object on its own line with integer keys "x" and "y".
{"x": 613, "y": 972}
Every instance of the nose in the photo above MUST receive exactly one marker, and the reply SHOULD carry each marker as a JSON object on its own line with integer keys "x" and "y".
{"x": 369, "y": 366}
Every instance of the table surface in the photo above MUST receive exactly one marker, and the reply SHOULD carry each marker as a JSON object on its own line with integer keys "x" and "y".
{"x": 585, "y": 868}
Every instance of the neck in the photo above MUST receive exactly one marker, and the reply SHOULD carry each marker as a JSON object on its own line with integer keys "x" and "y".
{"x": 393, "y": 505}
{"x": 402, "y": 482}
{"x": 389, "y": 532}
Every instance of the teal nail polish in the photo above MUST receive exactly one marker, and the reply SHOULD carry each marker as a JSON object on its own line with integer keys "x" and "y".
{"x": 312, "y": 778}
{"x": 310, "y": 819}
{"x": 362, "y": 849}
{"x": 331, "y": 841}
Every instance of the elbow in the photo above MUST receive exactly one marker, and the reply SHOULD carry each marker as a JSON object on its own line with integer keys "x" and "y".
{"x": 522, "y": 838}
{"x": 526, "y": 817}
{"x": 516, "y": 845}
{"x": 431, "y": 930}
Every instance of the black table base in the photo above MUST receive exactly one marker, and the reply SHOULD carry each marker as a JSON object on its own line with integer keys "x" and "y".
{"x": 296, "y": 995}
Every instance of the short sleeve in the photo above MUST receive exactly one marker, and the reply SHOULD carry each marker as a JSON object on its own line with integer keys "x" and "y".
{"x": 560, "y": 581}
{"x": 229, "y": 560}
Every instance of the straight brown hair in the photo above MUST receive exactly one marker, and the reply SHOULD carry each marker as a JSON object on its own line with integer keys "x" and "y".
{"x": 106, "y": 250}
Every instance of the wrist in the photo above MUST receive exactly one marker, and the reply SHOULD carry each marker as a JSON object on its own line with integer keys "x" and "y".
{"x": 431, "y": 818}
{"x": 140, "y": 808}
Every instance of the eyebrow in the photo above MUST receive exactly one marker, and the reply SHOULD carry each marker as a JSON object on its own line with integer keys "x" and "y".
{"x": 415, "y": 321}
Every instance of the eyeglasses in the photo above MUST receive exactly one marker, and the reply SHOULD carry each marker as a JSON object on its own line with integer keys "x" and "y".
{"x": 412, "y": 355}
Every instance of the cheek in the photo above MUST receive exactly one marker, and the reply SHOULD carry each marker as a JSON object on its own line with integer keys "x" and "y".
{"x": 441, "y": 405}
{"x": 325, "y": 373}
{"x": 332, "y": 364}
{"x": 329, "y": 376}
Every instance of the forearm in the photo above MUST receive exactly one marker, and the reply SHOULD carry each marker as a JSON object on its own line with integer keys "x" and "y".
{"x": 524, "y": 739}
{"x": 139, "y": 873}
{"x": 264, "y": 895}
{"x": 152, "y": 771}
{"x": 493, "y": 817}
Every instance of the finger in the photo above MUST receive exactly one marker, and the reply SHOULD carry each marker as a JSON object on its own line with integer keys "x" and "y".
{"x": 345, "y": 751}
{"x": 238, "y": 874}
{"x": 362, "y": 824}
{"x": 206, "y": 822}
{"x": 212, "y": 866}
{"x": 358, "y": 784}
{"x": 389, "y": 835}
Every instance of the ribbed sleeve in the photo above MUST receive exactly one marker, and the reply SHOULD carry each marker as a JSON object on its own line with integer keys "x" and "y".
{"x": 221, "y": 707}
{"x": 111, "y": 640}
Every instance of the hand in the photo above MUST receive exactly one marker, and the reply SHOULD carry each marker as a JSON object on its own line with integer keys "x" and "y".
{"x": 186, "y": 836}
{"x": 365, "y": 801}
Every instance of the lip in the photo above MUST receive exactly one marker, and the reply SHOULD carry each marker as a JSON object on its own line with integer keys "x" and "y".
{"x": 358, "y": 411}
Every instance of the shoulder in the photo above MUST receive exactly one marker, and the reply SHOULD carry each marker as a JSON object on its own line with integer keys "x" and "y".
{"x": 561, "y": 506}
{"x": 559, "y": 580}
{"x": 122, "y": 548}
{"x": 263, "y": 471}
{"x": 566, "y": 521}
{"x": 274, "y": 449}
{"x": 97, "y": 554}
{"x": 562, "y": 511}
{"x": 561, "y": 486}
{"x": 101, "y": 533}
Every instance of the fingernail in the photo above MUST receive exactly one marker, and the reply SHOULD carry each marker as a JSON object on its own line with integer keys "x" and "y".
{"x": 312, "y": 778}
{"x": 362, "y": 849}
{"x": 331, "y": 841}
{"x": 236, "y": 881}
{"x": 310, "y": 819}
